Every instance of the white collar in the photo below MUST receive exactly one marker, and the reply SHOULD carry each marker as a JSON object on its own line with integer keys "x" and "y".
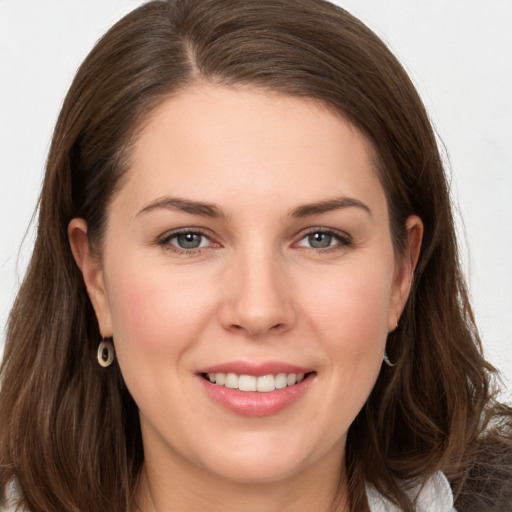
{"x": 434, "y": 494}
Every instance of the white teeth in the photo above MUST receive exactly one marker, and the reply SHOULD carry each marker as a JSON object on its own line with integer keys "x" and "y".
{"x": 247, "y": 383}
{"x": 266, "y": 383}
{"x": 291, "y": 379}
{"x": 263, "y": 384}
{"x": 231, "y": 381}
{"x": 281, "y": 381}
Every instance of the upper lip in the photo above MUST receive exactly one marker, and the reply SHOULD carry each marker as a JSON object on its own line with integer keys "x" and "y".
{"x": 256, "y": 369}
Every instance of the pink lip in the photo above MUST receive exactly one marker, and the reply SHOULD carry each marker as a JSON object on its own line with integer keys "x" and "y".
{"x": 256, "y": 369}
{"x": 253, "y": 403}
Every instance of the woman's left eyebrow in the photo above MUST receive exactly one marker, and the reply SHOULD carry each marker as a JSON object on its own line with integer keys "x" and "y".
{"x": 328, "y": 205}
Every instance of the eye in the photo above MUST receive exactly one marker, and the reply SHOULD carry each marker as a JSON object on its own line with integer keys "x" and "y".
{"x": 320, "y": 240}
{"x": 189, "y": 240}
{"x": 185, "y": 241}
{"x": 324, "y": 239}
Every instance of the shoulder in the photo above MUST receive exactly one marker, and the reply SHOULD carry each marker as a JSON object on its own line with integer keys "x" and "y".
{"x": 433, "y": 494}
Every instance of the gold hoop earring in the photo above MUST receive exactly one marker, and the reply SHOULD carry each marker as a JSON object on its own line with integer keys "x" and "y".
{"x": 106, "y": 353}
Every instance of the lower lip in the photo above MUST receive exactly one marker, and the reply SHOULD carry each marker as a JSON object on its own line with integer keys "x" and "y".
{"x": 254, "y": 403}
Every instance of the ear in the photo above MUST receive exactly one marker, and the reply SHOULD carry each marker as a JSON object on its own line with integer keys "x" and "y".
{"x": 404, "y": 273}
{"x": 92, "y": 273}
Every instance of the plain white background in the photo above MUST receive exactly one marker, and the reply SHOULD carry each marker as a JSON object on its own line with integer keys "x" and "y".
{"x": 458, "y": 53}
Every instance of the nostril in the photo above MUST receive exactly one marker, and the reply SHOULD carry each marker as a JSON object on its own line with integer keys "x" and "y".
{"x": 256, "y": 330}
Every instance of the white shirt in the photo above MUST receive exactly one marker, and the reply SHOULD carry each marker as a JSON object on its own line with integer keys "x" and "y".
{"x": 435, "y": 495}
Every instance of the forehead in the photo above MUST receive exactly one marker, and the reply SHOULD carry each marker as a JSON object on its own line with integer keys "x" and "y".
{"x": 218, "y": 142}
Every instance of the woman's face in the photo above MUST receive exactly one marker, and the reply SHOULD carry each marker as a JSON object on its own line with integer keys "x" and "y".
{"x": 250, "y": 241}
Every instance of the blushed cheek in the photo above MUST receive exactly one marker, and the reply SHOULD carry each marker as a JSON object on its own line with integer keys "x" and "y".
{"x": 155, "y": 312}
{"x": 353, "y": 312}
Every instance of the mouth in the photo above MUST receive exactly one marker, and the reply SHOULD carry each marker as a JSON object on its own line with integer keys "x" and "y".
{"x": 261, "y": 383}
{"x": 256, "y": 389}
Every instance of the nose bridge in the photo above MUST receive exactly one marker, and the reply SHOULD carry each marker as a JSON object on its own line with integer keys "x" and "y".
{"x": 258, "y": 300}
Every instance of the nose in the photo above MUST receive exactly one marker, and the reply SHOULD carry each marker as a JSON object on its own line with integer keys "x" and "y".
{"x": 258, "y": 296}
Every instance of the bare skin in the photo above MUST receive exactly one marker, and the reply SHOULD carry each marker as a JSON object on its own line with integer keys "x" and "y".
{"x": 296, "y": 494}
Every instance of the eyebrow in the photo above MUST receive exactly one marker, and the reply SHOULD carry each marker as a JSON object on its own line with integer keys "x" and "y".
{"x": 185, "y": 205}
{"x": 211, "y": 210}
{"x": 329, "y": 205}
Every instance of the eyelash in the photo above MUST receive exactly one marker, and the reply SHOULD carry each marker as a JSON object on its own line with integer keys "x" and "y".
{"x": 343, "y": 239}
{"x": 165, "y": 242}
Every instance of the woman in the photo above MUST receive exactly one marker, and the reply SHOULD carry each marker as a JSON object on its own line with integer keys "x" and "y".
{"x": 245, "y": 292}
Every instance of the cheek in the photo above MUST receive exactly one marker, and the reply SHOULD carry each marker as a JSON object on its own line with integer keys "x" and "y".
{"x": 348, "y": 317}
{"x": 352, "y": 306}
{"x": 155, "y": 309}
{"x": 351, "y": 317}
{"x": 158, "y": 317}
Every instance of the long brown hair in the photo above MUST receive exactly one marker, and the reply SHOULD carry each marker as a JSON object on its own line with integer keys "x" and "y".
{"x": 69, "y": 430}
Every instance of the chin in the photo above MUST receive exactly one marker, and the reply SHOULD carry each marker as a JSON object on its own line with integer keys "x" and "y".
{"x": 251, "y": 471}
{"x": 264, "y": 459}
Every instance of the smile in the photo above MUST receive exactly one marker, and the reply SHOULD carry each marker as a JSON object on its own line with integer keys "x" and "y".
{"x": 256, "y": 388}
{"x": 263, "y": 383}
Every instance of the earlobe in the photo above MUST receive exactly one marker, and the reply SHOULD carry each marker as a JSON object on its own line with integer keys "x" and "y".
{"x": 92, "y": 273}
{"x": 405, "y": 270}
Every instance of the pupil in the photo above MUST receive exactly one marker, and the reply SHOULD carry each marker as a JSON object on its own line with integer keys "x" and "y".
{"x": 189, "y": 240}
{"x": 320, "y": 240}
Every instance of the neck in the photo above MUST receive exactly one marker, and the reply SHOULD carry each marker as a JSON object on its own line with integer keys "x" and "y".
{"x": 322, "y": 488}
